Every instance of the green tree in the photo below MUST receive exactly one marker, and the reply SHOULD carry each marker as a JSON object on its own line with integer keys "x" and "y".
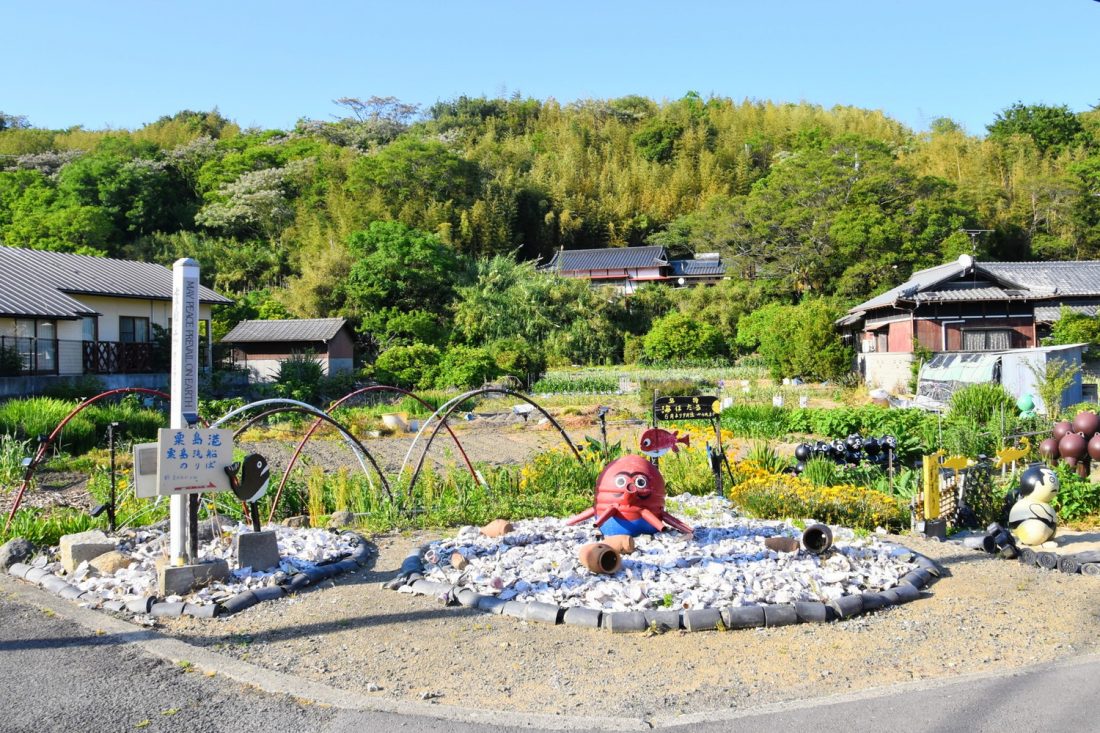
{"x": 1052, "y": 128}
{"x": 408, "y": 366}
{"x": 1077, "y": 328}
{"x": 797, "y": 340}
{"x": 679, "y": 337}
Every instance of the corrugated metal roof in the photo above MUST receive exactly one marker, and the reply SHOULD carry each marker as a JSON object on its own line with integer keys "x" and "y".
{"x": 612, "y": 258}
{"x": 40, "y": 283}
{"x": 697, "y": 268}
{"x": 304, "y": 329}
{"x": 1051, "y": 313}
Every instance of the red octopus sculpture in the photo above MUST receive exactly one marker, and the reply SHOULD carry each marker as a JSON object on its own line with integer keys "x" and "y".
{"x": 630, "y": 499}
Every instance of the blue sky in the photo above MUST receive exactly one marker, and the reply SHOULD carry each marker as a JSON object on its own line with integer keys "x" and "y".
{"x": 121, "y": 63}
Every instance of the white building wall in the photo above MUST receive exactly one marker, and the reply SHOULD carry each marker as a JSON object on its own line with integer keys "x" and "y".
{"x": 888, "y": 371}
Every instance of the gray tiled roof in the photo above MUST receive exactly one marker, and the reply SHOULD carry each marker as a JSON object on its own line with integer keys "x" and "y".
{"x": 303, "y": 329}
{"x": 611, "y": 258}
{"x": 1051, "y": 313}
{"x": 697, "y": 268}
{"x": 40, "y": 283}
{"x": 992, "y": 281}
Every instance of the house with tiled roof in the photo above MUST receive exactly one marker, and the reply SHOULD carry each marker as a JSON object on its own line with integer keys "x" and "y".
{"x": 262, "y": 346}
{"x": 66, "y": 314}
{"x": 626, "y": 268}
{"x": 968, "y": 306}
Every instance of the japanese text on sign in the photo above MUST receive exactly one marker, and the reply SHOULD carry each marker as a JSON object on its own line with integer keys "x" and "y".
{"x": 193, "y": 461}
{"x": 696, "y": 407}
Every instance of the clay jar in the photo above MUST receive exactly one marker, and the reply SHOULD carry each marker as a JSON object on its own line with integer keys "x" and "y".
{"x": 817, "y": 538}
{"x": 600, "y": 557}
{"x": 1072, "y": 448}
{"x": 621, "y": 543}
{"x": 1086, "y": 422}
{"x": 782, "y": 544}
{"x": 1048, "y": 449}
{"x": 1094, "y": 447}
{"x": 497, "y": 528}
{"x": 1061, "y": 428}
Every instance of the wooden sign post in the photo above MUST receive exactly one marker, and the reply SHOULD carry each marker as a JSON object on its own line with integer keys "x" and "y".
{"x": 695, "y": 407}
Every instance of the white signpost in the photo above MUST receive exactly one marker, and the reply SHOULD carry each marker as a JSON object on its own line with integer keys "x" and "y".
{"x": 185, "y": 390}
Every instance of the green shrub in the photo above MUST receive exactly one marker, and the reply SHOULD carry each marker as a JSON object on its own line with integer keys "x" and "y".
{"x": 407, "y": 366}
{"x": 797, "y": 340}
{"x": 466, "y": 367}
{"x": 982, "y": 403}
{"x": 76, "y": 389}
{"x": 11, "y": 363}
{"x": 821, "y": 472}
{"x": 299, "y": 378}
{"x": 1077, "y": 498}
{"x": 678, "y": 337}
{"x": 517, "y": 357}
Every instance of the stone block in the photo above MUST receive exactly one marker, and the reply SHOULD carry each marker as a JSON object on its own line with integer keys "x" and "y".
{"x": 111, "y": 562}
{"x": 15, "y": 550}
{"x": 182, "y": 579}
{"x": 83, "y": 547}
{"x": 256, "y": 550}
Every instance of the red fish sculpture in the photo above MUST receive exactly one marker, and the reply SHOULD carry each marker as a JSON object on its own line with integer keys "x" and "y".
{"x": 630, "y": 499}
{"x": 656, "y": 442}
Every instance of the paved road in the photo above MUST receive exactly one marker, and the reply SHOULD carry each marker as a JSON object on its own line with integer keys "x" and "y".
{"x": 57, "y": 675}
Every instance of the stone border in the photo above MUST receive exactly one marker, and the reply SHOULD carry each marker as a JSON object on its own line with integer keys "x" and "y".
{"x": 151, "y": 605}
{"x": 909, "y": 587}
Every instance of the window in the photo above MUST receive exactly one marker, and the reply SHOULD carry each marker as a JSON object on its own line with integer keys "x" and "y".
{"x": 987, "y": 340}
{"x": 91, "y": 328}
{"x": 133, "y": 330}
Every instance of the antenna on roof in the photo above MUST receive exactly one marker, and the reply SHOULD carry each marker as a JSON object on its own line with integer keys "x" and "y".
{"x": 974, "y": 237}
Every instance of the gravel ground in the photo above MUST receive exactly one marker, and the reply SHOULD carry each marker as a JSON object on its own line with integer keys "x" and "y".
{"x": 987, "y": 614}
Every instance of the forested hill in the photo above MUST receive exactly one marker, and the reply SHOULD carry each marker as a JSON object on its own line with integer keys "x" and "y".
{"x": 839, "y": 201}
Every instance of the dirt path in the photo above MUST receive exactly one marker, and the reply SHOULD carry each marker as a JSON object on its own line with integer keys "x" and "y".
{"x": 987, "y": 614}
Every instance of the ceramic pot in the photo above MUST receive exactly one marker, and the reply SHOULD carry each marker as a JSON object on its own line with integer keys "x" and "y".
{"x": 600, "y": 557}
{"x": 817, "y": 538}
{"x": 497, "y": 528}
{"x": 621, "y": 543}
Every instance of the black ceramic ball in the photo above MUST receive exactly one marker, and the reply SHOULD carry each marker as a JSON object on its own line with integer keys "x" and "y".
{"x": 802, "y": 452}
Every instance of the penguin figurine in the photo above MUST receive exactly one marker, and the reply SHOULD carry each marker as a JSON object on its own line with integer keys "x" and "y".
{"x": 1032, "y": 519}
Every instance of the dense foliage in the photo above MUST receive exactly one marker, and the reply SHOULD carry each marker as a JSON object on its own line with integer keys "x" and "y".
{"x": 421, "y": 225}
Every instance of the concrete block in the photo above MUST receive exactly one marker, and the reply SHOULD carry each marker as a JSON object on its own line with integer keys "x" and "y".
{"x": 35, "y": 575}
{"x": 256, "y": 550}
{"x": 516, "y": 609}
{"x": 743, "y": 617}
{"x": 905, "y": 592}
{"x": 82, "y": 547}
{"x": 622, "y": 622}
{"x": 589, "y": 618}
{"x": 19, "y": 570}
{"x": 181, "y": 579}
{"x": 847, "y": 606}
{"x": 702, "y": 619}
{"x": 492, "y": 604}
{"x": 114, "y": 606}
{"x": 268, "y": 592}
{"x": 468, "y": 597}
{"x": 71, "y": 592}
{"x": 780, "y": 614}
{"x": 547, "y": 613}
{"x": 140, "y": 605}
{"x": 811, "y": 612}
{"x": 663, "y": 619}
{"x": 53, "y": 584}
{"x": 209, "y": 610}
{"x": 874, "y": 601}
{"x": 167, "y": 610}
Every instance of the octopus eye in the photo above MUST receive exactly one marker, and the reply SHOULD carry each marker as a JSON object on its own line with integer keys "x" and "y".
{"x": 641, "y": 482}
{"x": 620, "y": 481}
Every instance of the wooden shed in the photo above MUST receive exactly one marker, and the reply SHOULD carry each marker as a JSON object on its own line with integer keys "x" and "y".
{"x": 261, "y": 346}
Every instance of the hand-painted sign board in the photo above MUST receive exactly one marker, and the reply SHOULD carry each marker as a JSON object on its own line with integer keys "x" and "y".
{"x": 696, "y": 407}
{"x": 193, "y": 461}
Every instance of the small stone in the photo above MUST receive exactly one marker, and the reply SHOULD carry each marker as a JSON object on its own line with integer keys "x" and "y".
{"x": 458, "y": 561}
{"x": 15, "y": 550}
{"x": 341, "y": 519}
{"x": 297, "y": 522}
{"x": 82, "y": 547}
{"x": 111, "y": 562}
